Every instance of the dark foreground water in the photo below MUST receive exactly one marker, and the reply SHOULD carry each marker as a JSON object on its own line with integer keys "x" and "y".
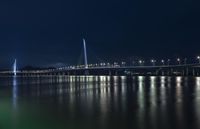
{"x": 100, "y": 103}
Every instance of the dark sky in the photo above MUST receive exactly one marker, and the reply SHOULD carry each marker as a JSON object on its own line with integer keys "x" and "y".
{"x": 47, "y": 32}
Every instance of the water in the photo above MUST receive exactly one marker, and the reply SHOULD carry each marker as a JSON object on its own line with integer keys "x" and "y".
{"x": 100, "y": 102}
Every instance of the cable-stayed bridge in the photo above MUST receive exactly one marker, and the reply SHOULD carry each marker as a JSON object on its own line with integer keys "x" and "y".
{"x": 112, "y": 69}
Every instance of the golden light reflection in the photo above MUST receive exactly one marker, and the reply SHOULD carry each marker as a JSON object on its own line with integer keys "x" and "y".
{"x": 141, "y": 85}
{"x": 123, "y": 84}
{"x": 163, "y": 78}
{"x": 178, "y": 81}
{"x": 141, "y": 99}
{"x": 179, "y": 89}
{"x": 108, "y": 78}
{"x": 197, "y": 80}
{"x": 163, "y": 89}
{"x": 197, "y": 98}
{"x": 169, "y": 81}
{"x": 102, "y": 78}
{"x": 153, "y": 90}
{"x": 115, "y": 78}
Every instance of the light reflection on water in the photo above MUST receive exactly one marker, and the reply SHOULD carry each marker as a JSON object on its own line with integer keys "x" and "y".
{"x": 14, "y": 91}
{"x": 100, "y": 101}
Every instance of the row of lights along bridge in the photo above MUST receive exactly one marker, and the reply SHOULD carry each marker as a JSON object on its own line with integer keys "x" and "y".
{"x": 138, "y": 62}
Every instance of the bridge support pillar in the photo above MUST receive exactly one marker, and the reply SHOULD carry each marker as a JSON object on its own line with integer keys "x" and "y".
{"x": 187, "y": 71}
{"x": 86, "y": 72}
{"x": 110, "y": 73}
{"x": 172, "y": 71}
{"x": 157, "y": 72}
{"x": 163, "y": 73}
{"x": 168, "y": 72}
{"x": 193, "y": 72}
{"x": 116, "y": 73}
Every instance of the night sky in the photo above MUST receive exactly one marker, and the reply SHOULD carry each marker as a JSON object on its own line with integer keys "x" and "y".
{"x": 49, "y": 33}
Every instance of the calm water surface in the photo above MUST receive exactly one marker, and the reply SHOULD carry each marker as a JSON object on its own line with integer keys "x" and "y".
{"x": 100, "y": 102}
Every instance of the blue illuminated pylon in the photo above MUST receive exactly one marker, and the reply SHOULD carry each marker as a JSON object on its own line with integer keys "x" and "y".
{"x": 15, "y": 68}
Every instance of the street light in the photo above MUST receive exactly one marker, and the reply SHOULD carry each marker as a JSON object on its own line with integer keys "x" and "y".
{"x": 163, "y": 62}
{"x": 168, "y": 61}
{"x": 123, "y": 63}
{"x": 115, "y": 64}
{"x": 153, "y": 62}
{"x": 179, "y": 61}
{"x": 140, "y": 62}
{"x": 198, "y": 58}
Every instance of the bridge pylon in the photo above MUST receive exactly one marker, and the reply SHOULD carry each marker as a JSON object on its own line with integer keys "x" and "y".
{"x": 15, "y": 68}
{"x": 85, "y": 54}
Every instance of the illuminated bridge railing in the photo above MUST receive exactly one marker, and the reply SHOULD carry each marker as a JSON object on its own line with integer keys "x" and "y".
{"x": 195, "y": 65}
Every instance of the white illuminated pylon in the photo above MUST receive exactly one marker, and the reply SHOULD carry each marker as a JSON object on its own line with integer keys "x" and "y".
{"x": 85, "y": 53}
